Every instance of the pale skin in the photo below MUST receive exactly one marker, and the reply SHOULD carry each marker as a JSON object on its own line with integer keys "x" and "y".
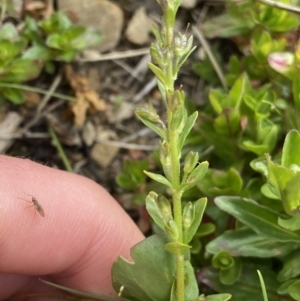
{"x": 83, "y": 232}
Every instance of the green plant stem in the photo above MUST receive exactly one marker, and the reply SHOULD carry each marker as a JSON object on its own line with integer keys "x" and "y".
{"x": 177, "y": 208}
{"x": 37, "y": 90}
{"x": 60, "y": 150}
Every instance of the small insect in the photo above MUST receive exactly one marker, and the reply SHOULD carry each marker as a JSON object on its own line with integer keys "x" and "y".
{"x": 36, "y": 205}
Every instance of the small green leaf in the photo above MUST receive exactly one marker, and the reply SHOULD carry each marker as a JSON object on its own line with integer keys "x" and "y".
{"x": 291, "y": 267}
{"x": 182, "y": 60}
{"x": 205, "y": 229}
{"x": 158, "y": 73}
{"x": 292, "y": 224}
{"x": 177, "y": 248}
{"x": 14, "y": 95}
{"x": 260, "y": 219}
{"x": 158, "y": 178}
{"x": 21, "y": 70}
{"x": 238, "y": 90}
{"x": 187, "y": 128}
{"x": 154, "y": 210}
{"x": 157, "y": 33}
{"x": 150, "y": 124}
{"x": 217, "y": 297}
{"x": 9, "y": 32}
{"x": 228, "y": 122}
{"x": 230, "y": 268}
{"x": 178, "y": 119}
{"x": 291, "y": 149}
{"x": 195, "y": 176}
{"x": 190, "y": 162}
{"x": 215, "y": 98}
{"x": 198, "y": 207}
{"x": 285, "y": 184}
{"x": 171, "y": 229}
{"x": 90, "y": 37}
{"x": 38, "y": 52}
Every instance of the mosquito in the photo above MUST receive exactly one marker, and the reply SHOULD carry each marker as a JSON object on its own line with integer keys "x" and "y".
{"x": 35, "y": 204}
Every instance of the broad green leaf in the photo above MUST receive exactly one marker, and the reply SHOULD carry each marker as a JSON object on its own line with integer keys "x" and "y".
{"x": 199, "y": 207}
{"x": 292, "y": 224}
{"x": 291, "y": 267}
{"x": 283, "y": 288}
{"x": 158, "y": 178}
{"x": 151, "y": 274}
{"x": 191, "y": 290}
{"x": 294, "y": 290}
{"x": 291, "y": 149}
{"x": 79, "y": 293}
{"x": 246, "y": 243}
{"x": 247, "y": 287}
{"x": 259, "y": 218}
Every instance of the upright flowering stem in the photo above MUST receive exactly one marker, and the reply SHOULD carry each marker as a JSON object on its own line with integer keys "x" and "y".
{"x": 168, "y": 54}
{"x": 177, "y": 208}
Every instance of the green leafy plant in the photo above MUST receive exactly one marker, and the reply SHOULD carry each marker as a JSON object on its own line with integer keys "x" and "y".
{"x": 24, "y": 54}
